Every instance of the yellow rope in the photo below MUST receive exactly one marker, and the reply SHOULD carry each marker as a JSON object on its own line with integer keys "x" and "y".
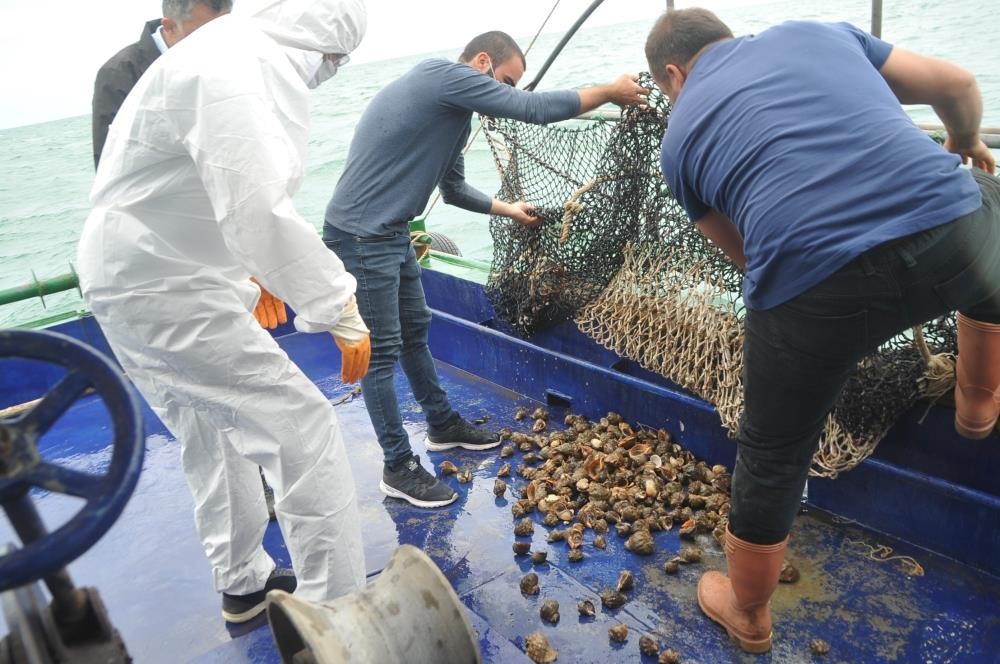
{"x": 573, "y": 207}
{"x": 939, "y": 378}
{"x": 883, "y": 554}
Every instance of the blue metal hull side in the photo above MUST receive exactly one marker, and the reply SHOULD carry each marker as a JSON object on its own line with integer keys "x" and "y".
{"x": 467, "y": 300}
{"x": 948, "y": 519}
{"x": 925, "y": 442}
{"x": 157, "y": 586}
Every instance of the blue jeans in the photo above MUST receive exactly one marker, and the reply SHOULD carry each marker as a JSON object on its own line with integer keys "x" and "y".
{"x": 391, "y": 302}
{"x": 798, "y": 355}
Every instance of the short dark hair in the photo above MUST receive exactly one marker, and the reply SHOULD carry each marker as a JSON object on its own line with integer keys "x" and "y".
{"x": 500, "y": 46}
{"x": 679, "y": 34}
{"x": 180, "y": 10}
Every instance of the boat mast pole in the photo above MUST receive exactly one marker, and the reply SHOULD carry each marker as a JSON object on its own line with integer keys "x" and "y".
{"x": 562, "y": 42}
{"x": 877, "y": 18}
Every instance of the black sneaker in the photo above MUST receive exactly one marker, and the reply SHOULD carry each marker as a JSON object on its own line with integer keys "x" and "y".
{"x": 411, "y": 482}
{"x": 242, "y": 608}
{"x": 462, "y": 434}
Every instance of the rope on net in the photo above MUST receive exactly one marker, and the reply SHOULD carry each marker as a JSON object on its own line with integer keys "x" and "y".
{"x": 615, "y": 252}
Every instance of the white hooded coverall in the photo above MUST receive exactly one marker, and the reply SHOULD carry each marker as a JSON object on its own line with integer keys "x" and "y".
{"x": 192, "y": 197}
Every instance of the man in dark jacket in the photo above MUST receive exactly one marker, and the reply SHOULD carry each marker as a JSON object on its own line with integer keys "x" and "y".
{"x": 117, "y": 76}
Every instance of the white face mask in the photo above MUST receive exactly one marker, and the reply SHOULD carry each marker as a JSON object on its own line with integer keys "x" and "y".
{"x": 327, "y": 68}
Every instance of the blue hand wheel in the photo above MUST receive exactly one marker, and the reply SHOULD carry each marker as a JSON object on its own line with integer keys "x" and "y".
{"x": 23, "y": 468}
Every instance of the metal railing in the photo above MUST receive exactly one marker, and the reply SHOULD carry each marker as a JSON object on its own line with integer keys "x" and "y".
{"x": 40, "y": 288}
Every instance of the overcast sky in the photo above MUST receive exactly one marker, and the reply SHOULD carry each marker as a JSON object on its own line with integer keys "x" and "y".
{"x": 51, "y": 50}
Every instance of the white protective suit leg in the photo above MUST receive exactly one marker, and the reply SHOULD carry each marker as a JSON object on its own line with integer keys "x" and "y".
{"x": 232, "y": 397}
{"x": 229, "y": 512}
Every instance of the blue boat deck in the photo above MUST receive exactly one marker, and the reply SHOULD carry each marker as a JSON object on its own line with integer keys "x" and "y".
{"x": 155, "y": 581}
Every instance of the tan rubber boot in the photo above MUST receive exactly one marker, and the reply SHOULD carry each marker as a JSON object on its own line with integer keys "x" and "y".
{"x": 977, "y": 379}
{"x": 739, "y": 602}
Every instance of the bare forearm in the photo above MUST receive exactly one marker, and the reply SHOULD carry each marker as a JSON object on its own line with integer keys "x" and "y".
{"x": 949, "y": 89}
{"x": 502, "y": 209}
{"x": 591, "y": 98}
{"x": 522, "y": 212}
{"x": 723, "y": 233}
{"x": 962, "y": 112}
{"x": 624, "y": 91}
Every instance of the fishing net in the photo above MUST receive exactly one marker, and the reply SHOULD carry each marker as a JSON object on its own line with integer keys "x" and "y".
{"x": 614, "y": 251}
{"x": 596, "y": 190}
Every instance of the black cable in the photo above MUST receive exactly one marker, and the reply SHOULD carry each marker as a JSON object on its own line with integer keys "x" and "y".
{"x": 562, "y": 42}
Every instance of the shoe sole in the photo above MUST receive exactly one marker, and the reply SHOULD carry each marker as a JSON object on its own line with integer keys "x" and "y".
{"x": 245, "y": 616}
{"x": 416, "y": 502}
{"x": 475, "y": 447}
{"x": 753, "y": 646}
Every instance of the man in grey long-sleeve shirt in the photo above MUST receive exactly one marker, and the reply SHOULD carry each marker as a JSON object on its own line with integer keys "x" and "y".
{"x": 409, "y": 141}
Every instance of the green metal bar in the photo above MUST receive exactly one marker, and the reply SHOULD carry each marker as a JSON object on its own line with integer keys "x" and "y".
{"x": 65, "y": 282}
{"x": 419, "y": 224}
{"x": 40, "y": 288}
{"x": 450, "y": 259}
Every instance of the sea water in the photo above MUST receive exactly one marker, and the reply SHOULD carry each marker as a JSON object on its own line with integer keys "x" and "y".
{"x": 46, "y": 170}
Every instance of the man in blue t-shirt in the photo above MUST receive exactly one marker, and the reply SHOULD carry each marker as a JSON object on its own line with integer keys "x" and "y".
{"x": 409, "y": 141}
{"x": 789, "y": 150}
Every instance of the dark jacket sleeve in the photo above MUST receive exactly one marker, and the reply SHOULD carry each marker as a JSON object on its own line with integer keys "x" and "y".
{"x": 116, "y": 79}
{"x": 110, "y": 89}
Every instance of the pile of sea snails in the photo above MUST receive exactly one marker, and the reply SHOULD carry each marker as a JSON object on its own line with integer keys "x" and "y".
{"x": 594, "y": 477}
{"x": 597, "y": 476}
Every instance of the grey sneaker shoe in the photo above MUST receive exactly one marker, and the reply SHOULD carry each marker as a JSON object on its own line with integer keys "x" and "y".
{"x": 412, "y": 483}
{"x": 462, "y": 434}
{"x": 243, "y": 608}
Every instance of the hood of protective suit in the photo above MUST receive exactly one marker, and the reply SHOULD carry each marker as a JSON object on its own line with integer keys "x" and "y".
{"x": 314, "y": 68}
{"x": 320, "y": 26}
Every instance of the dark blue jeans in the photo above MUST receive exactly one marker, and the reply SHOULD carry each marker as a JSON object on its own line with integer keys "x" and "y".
{"x": 391, "y": 302}
{"x": 798, "y": 355}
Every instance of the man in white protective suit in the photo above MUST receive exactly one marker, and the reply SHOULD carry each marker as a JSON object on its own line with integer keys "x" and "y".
{"x": 193, "y": 195}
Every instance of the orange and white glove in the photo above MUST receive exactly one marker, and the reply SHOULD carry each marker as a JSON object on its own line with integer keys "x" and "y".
{"x": 352, "y": 337}
{"x": 270, "y": 311}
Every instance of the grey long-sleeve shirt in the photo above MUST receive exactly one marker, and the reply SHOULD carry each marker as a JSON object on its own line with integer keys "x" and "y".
{"x": 410, "y": 140}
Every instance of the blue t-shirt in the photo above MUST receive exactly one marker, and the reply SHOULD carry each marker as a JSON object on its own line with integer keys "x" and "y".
{"x": 797, "y": 138}
{"x": 410, "y": 139}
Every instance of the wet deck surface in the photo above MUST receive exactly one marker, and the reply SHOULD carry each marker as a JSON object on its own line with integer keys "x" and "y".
{"x": 156, "y": 583}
